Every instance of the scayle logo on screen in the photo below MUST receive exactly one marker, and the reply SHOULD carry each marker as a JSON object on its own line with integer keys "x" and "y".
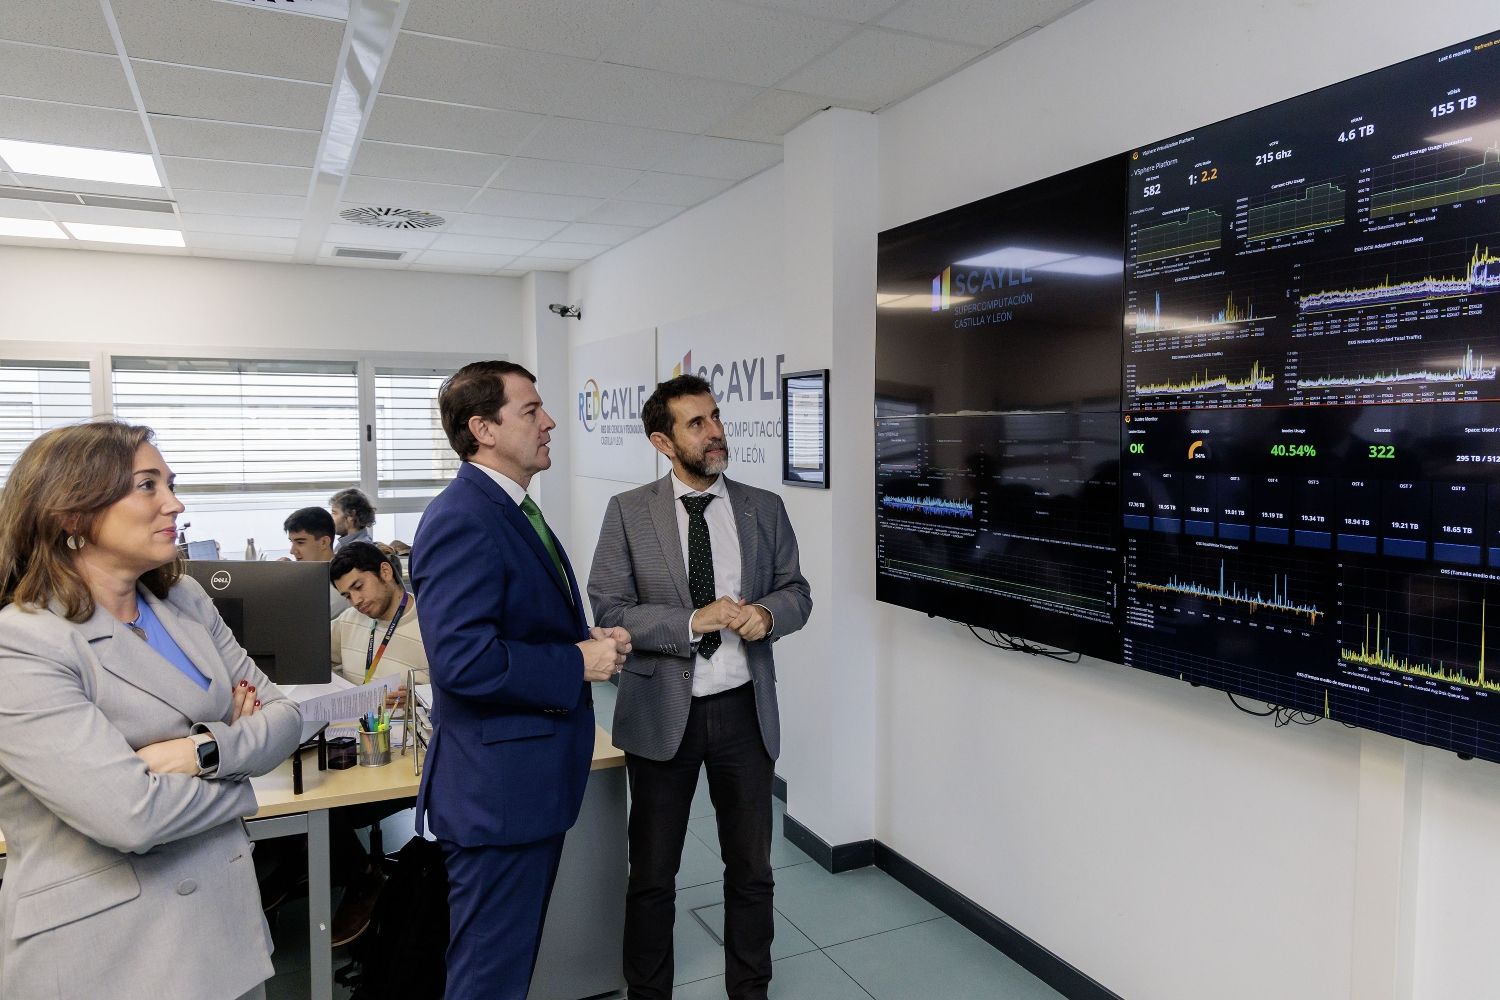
{"x": 972, "y": 282}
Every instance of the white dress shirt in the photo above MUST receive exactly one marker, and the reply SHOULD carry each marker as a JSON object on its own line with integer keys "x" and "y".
{"x": 727, "y": 668}
{"x": 512, "y": 489}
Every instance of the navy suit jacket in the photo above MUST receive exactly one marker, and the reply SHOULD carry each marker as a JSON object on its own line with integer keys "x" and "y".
{"x": 513, "y": 734}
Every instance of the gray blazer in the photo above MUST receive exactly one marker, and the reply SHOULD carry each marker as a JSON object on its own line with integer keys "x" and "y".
{"x": 120, "y": 883}
{"x": 638, "y": 580}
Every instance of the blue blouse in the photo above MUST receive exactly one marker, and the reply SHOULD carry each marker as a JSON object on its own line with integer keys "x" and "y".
{"x": 159, "y": 639}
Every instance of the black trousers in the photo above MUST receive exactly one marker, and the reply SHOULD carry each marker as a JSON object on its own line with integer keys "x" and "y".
{"x": 723, "y": 735}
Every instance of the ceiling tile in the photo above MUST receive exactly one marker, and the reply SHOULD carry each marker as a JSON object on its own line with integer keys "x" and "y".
{"x": 602, "y": 235}
{"x": 67, "y": 24}
{"x": 725, "y": 41}
{"x": 529, "y": 205}
{"x": 243, "y": 225}
{"x": 233, "y": 97}
{"x": 132, "y": 248}
{"x": 186, "y": 174}
{"x": 858, "y": 11}
{"x": 231, "y": 36}
{"x": 568, "y": 251}
{"x": 556, "y": 177}
{"x": 374, "y": 236}
{"x": 326, "y": 257}
{"x": 254, "y": 244}
{"x": 524, "y": 264}
{"x": 876, "y": 67}
{"x": 483, "y": 244}
{"x": 626, "y": 95}
{"x": 230, "y": 141}
{"x": 769, "y": 116}
{"x": 498, "y": 226}
{"x": 975, "y": 22}
{"x": 63, "y": 75}
{"x": 568, "y": 27}
{"x": 475, "y": 262}
{"x": 270, "y": 206}
{"x": 364, "y": 191}
{"x": 72, "y": 125}
{"x": 731, "y": 159}
{"x": 449, "y": 126}
{"x": 268, "y": 258}
{"x": 674, "y": 189}
{"x": 439, "y": 69}
{"x": 421, "y": 163}
{"x": 11, "y": 208}
{"x": 609, "y": 145}
{"x": 632, "y": 213}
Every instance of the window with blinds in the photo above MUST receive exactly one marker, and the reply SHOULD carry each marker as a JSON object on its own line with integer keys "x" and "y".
{"x": 247, "y": 433}
{"x": 413, "y": 457}
{"x": 36, "y": 396}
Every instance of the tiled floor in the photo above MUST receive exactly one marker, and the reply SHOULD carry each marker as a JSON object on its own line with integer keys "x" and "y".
{"x": 853, "y": 936}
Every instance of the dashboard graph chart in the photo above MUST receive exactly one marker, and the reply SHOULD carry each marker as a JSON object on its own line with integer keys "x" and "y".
{"x": 1435, "y": 180}
{"x": 1197, "y": 231}
{"x": 1271, "y": 216}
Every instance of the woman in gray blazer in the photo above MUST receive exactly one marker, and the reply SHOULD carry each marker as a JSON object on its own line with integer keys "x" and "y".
{"x": 131, "y": 722}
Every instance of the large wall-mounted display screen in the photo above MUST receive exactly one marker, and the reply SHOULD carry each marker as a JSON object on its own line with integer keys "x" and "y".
{"x": 997, "y": 411}
{"x": 1308, "y": 487}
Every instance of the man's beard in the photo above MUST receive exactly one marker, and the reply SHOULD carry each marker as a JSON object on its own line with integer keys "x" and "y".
{"x": 705, "y": 467}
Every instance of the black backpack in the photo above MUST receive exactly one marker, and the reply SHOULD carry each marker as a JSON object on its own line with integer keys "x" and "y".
{"x": 401, "y": 956}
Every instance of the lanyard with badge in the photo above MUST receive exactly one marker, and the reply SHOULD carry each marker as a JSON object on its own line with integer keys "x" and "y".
{"x": 372, "y": 655}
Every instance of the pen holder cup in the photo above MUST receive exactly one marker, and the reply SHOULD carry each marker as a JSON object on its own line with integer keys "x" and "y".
{"x": 374, "y": 748}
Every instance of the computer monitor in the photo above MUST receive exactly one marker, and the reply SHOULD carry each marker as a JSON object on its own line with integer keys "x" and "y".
{"x": 277, "y": 610}
{"x": 208, "y": 549}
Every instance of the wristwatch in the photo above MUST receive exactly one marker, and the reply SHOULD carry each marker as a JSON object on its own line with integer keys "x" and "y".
{"x": 207, "y": 749}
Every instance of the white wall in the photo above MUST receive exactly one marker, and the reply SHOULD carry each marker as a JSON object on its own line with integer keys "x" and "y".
{"x": 114, "y": 299}
{"x": 1147, "y": 832}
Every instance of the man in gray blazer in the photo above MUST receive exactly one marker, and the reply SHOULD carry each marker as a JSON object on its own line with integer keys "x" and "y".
{"x": 703, "y": 573}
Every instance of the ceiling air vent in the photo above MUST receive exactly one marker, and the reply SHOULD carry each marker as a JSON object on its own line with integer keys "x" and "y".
{"x": 362, "y": 254}
{"x": 392, "y": 218}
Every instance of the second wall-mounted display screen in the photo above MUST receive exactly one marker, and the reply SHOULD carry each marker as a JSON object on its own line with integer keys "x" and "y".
{"x": 1307, "y": 492}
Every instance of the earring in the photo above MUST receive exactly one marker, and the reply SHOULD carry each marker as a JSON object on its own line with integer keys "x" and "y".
{"x": 75, "y": 542}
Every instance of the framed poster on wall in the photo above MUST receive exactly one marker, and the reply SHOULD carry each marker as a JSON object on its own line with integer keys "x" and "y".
{"x": 804, "y": 421}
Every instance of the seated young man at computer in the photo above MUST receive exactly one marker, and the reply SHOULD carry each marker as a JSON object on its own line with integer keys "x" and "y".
{"x": 377, "y": 636}
{"x": 310, "y": 530}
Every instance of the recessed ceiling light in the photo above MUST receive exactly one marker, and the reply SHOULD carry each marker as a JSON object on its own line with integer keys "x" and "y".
{"x": 77, "y": 163}
{"x": 40, "y": 229}
{"x": 95, "y": 233}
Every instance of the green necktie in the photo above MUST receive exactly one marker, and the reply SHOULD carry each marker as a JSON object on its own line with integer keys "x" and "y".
{"x": 534, "y": 515}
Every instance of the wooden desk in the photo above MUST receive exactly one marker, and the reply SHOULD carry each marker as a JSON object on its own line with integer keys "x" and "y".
{"x": 589, "y": 892}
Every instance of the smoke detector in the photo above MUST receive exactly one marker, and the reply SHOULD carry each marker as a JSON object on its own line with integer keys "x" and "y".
{"x": 392, "y": 218}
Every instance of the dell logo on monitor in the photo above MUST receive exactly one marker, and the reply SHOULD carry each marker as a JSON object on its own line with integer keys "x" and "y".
{"x": 219, "y": 580}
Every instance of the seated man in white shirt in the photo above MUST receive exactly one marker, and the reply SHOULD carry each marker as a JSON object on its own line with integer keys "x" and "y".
{"x": 377, "y": 636}
{"x": 310, "y": 532}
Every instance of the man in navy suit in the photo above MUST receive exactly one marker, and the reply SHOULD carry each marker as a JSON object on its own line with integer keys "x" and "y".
{"x": 512, "y": 657}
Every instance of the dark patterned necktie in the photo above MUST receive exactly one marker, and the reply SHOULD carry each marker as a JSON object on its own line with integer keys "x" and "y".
{"x": 701, "y": 565}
